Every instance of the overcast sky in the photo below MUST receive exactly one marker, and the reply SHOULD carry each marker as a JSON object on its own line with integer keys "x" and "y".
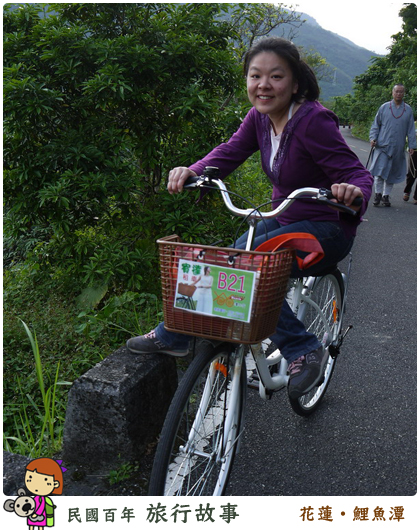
{"x": 367, "y": 23}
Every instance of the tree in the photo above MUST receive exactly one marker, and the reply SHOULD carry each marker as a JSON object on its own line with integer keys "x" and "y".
{"x": 374, "y": 87}
{"x": 399, "y": 66}
{"x": 100, "y": 101}
{"x": 252, "y": 21}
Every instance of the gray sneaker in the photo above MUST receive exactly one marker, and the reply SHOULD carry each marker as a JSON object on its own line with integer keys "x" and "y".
{"x": 385, "y": 200}
{"x": 377, "y": 199}
{"x": 149, "y": 343}
{"x": 307, "y": 372}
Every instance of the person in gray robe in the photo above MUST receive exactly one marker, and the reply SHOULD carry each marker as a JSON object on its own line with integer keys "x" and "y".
{"x": 394, "y": 122}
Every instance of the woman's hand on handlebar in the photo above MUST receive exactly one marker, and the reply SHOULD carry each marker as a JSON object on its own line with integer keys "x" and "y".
{"x": 346, "y": 194}
{"x": 177, "y": 178}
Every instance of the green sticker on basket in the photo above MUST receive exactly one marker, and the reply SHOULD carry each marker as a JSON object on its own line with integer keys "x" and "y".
{"x": 216, "y": 291}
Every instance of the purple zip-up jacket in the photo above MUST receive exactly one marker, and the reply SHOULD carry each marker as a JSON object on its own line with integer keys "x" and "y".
{"x": 312, "y": 153}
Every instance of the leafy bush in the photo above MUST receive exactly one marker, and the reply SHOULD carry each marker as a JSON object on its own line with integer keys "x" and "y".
{"x": 94, "y": 98}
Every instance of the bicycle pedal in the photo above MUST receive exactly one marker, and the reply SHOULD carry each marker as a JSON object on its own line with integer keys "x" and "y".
{"x": 253, "y": 384}
{"x": 333, "y": 351}
{"x": 254, "y": 380}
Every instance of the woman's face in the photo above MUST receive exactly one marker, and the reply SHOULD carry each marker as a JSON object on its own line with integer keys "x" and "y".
{"x": 270, "y": 84}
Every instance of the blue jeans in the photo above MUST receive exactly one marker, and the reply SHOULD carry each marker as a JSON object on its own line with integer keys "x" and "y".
{"x": 291, "y": 336}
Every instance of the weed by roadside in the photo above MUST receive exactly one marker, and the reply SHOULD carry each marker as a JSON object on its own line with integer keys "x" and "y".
{"x": 38, "y": 431}
{"x": 58, "y": 343}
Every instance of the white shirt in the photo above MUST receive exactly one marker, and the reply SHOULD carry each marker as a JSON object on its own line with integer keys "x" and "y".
{"x": 275, "y": 140}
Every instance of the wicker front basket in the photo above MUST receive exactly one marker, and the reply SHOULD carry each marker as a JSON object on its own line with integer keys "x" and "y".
{"x": 273, "y": 271}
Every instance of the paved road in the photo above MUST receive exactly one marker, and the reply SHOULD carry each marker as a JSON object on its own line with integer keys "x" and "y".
{"x": 362, "y": 441}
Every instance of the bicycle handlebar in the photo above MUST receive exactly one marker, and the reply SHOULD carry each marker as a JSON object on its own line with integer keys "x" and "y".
{"x": 320, "y": 195}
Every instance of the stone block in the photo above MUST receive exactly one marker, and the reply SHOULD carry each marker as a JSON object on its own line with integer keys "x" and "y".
{"x": 14, "y": 470}
{"x": 117, "y": 408}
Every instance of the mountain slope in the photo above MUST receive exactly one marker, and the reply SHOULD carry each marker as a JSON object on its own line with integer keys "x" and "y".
{"x": 346, "y": 58}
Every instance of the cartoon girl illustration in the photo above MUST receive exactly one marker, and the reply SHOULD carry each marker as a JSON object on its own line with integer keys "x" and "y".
{"x": 43, "y": 477}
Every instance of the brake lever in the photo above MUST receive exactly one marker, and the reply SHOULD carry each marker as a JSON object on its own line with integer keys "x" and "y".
{"x": 325, "y": 197}
{"x": 193, "y": 182}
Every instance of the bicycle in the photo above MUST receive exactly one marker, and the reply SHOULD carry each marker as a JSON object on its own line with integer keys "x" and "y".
{"x": 202, "y": 430}
{"x": 184, "y": 297}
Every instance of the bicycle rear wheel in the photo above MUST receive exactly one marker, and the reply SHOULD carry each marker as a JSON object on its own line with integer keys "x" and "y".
{"x": 201, "y": 432}
{"x": 327, "y": 293}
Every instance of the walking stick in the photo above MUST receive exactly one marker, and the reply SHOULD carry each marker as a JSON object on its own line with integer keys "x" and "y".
{"x": 370, "y": 155}
{"x": 411, "y": 167}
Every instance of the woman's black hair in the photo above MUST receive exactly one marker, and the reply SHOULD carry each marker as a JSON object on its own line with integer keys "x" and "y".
{"x": 308, "y": 87}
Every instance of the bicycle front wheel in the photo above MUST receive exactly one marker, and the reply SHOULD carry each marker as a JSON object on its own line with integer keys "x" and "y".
{"x": 201, "y": 432}
{"x": 324, "y": 320}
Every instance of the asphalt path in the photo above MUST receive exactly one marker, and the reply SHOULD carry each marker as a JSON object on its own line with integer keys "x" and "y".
{"x": 362, "y": 439}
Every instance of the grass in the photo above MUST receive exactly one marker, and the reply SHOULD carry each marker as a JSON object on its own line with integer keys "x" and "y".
{"x": 37, "y": 431}
{"x": 123, "y": 472}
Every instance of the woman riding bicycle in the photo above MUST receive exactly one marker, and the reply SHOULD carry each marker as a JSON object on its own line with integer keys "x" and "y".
{"x": 300, "y": 146}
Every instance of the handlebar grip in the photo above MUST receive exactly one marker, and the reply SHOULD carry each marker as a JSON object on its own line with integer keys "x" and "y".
{"x": 191, "y": 182}
{"x": 358, "y": 201}
{"x": 327, "y": 197}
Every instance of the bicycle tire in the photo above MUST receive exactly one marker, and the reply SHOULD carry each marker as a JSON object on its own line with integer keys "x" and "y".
{"x": 328, "y": 293}
{"x": 189, "y": 459}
